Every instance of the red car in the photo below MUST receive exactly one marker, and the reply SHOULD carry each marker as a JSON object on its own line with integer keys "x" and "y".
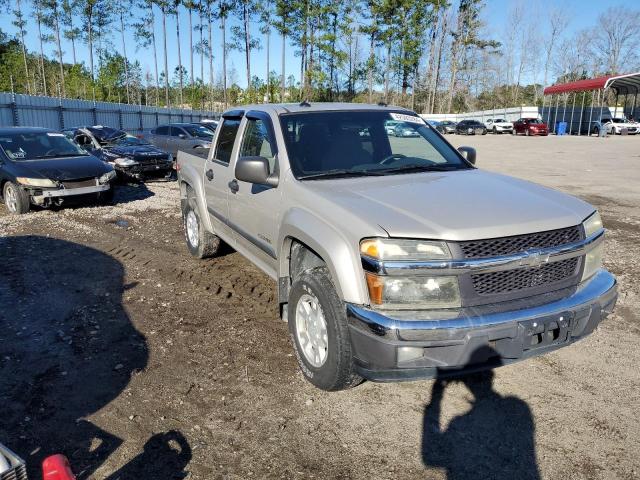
{"x": 530, "y": 126}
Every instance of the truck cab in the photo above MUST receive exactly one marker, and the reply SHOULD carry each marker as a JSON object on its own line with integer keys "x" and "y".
{"x": 394, "y": 258}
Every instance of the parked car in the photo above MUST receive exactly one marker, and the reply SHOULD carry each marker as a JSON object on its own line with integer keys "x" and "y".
{"x": 130, "y": 156}
{"x": 210, "y": 124}
{"x": 390, "y": 127}
{"x": 42, "y": 167}
{"x": 530, "y": 126}
{"x": 470, "y": 127}
{"x": 180, "y": 136}
{"x": 373, "y": 284}
{"x": 437, "y": 125}
{"x": 615, "y": 126}
{"x": 403, "y": 129}
{"x": 499, "y": 125}
{"x": 448, "y": 126}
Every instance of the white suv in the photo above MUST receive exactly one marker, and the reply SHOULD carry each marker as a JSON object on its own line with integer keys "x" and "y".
{"x": 499, "y": 125}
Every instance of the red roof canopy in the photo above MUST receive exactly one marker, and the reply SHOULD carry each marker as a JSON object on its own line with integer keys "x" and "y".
{"x": 624, "y": 84}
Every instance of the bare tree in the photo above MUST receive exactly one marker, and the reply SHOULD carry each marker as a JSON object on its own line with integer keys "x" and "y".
{"x": 71, "y": 31}
{"x": 615, "y": 39}
{"x": 558, "y": 21}
{"x": 38, "y": 10}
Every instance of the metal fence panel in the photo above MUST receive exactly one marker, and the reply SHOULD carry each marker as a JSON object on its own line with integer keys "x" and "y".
{"x": 59, "y": 113}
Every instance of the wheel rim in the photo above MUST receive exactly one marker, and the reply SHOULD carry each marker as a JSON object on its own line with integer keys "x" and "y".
{"x": 11, "y": 199}
{"x": 192, "y": 228}
{"x": 311, "y": 330}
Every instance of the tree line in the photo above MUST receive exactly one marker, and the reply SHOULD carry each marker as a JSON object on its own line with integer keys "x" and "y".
{"x": 435, "y": 56}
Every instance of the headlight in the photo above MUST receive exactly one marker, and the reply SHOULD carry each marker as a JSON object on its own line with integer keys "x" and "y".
{"x": 408, "y": 250}
{"x": 397, "y": 292}
{"x": 107, "y": 177}
{"x": 592, "y": 224}
{"x": 125, "y": 162}
{"x": 593, "y": 259}
{"x": 37, "y": 182}
{"x": 413, "y": 292}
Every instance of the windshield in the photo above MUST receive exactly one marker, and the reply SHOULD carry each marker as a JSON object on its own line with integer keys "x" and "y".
{"x": 619, "y": 120}
{"x": 37, "y": 145}
{"x": 198, "y": 131}
{"x": 533, "y": 120}
{"x": 105, "y": 135}
{"x": 333, "y": 144}
{"x": 130, "y": 140}
{"x": 499, "y": 120}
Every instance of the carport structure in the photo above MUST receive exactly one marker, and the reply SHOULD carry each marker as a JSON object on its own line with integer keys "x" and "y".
{"x": 627, "y": 85}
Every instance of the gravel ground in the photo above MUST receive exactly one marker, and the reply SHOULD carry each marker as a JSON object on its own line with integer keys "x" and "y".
{"x": 137, "y": 361}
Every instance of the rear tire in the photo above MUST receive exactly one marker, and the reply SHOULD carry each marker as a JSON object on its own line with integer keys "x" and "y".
{"x": 317, "y": 318}
{"x": 16, "y": 199}
{"x": 201, "y": 244}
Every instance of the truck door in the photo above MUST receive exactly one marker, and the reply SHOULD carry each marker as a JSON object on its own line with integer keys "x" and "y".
{"x": 254, "y": 209}
{"x": 218, "y": 175}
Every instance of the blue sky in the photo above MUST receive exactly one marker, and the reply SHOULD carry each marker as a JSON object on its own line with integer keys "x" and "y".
{"x": 582, "y": 13}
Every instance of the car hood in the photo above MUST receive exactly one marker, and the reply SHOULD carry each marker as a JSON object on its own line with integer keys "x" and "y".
{"x": 63, "y": 169}
{"x": 459, "y": 205}
{"x": 503, "y": 124}
{"x": 135, "y": 150}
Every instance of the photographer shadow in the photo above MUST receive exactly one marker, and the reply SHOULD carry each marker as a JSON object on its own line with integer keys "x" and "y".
{"x": 493, "y": 439}
{"x": 68, "y": 349}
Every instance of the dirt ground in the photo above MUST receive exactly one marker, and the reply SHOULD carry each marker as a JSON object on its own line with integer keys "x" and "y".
{"x": 136, "y": 361}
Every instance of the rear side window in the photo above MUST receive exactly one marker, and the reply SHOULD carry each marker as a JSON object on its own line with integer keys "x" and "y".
{"x": 256, "y": 142}
{"x": 176, "y": 131}
{"x": 164, "y": 130}
{"x": 226, "y": 139}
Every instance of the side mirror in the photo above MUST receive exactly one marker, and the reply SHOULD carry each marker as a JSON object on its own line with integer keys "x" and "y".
{"x": 182, "y": 135}
{"x": 255, "y": 170}
{"x": 469, "y": 153}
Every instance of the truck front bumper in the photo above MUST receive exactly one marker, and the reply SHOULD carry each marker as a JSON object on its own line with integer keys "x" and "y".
{"x": 388, "y": 348}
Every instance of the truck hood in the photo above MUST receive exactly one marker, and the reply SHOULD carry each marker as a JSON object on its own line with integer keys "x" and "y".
{"x": 458, "y": 205}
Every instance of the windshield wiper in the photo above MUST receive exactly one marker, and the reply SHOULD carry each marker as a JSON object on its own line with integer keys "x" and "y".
{"x": 422, "y": 168}
{"x": 336, "y": 173}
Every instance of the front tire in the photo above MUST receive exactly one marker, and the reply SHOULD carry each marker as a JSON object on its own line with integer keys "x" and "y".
{"x": 16, "y": 199}
{"x": 201, "y": 244}
{"x": 319, "y": 332}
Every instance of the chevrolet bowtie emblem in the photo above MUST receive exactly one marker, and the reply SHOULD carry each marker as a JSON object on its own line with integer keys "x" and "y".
{"x": 534, "y": 260}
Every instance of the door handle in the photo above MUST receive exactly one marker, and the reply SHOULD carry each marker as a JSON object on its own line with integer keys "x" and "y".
{"x": 233, "y": 185}
{"x": 209, "y": 174}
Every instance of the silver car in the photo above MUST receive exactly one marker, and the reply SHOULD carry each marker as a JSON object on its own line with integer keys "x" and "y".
{"x": 181, "y": 136}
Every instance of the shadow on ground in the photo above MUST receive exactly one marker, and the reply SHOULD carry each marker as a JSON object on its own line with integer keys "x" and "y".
{"x": 67, "y": 349}
{"x": 493, "y": 439}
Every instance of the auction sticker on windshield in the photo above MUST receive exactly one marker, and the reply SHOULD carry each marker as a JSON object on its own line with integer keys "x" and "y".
{"x": 401, "y": 117}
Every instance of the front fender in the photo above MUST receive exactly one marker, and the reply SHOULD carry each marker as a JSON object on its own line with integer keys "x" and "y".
{"x": 338, "y": 251}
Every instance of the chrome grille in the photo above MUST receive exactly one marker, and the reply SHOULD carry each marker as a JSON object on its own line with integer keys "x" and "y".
{"x": 495, "y": 247}
{"x": 16, "y": 473}
{"x": 522, "y": 278}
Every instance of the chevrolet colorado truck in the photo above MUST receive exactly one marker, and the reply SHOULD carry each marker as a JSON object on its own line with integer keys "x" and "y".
{"x": 395, "y": 257}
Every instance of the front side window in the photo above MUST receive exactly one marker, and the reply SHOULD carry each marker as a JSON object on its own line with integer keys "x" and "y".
{"x": 323, "y": 144}
{"x": 38, "y": 145}
{"x": 256, "y": 142}
{"x": 226, "y": 139}
{"x": 164, "y": 130}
